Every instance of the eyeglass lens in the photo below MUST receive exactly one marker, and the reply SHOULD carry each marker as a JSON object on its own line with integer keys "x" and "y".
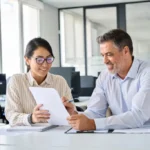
{"x": 41, "y": 60}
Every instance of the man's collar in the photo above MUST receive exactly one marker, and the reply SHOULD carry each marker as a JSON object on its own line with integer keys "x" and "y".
{"x": 132, "y": 71}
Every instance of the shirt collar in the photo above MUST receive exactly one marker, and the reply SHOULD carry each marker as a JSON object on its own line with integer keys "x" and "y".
{"x": 32, "y": 81}
{"x": 133, "y": 70}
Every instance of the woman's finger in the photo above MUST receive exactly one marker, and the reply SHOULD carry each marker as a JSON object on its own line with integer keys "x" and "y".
{"x": 42, "y": 115}
{"x": 37, "y": 107}
{"x": 42, "y": 112}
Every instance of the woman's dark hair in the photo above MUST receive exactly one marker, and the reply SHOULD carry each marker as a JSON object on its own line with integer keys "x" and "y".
{"x": 119, "y": 37}
{"x": 34, "y": 44}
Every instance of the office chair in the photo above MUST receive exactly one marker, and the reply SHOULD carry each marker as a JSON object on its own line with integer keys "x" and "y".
{"x": 79, "y": 109}
{"x": 2, "y": 115}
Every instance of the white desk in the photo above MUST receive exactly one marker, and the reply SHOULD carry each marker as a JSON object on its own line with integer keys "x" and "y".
{"x": 83, "y": 101}
{"x": 55, "y": 139}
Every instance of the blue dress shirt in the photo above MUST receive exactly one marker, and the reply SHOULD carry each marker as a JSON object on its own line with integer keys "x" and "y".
{"x": 128, "y": 98}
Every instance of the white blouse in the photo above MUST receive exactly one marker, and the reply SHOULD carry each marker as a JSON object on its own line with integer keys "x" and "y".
{"x": 19, "y": 100}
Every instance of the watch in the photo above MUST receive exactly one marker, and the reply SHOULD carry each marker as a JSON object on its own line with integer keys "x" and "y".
{"x": 30, "y": 118}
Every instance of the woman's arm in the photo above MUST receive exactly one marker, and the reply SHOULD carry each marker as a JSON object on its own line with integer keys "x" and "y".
{"x": 13, "y": 108}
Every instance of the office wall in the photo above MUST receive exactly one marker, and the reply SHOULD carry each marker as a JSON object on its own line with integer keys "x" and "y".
{"x": 49, "y": 29}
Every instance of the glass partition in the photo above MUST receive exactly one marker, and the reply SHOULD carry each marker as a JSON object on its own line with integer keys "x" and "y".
{"x": 98, "y": 21}
{"x": 138, "y": 26}
{"x": 72, "y": 39}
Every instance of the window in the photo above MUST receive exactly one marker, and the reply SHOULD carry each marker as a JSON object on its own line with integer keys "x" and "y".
{"x": 30, "y": 24}
{"x": 138, "y": 26}
{"x": 98, "y": 22}
{"x": 10, "y": 37}
{"x": 19, "y": 24}
{"x": 72, "y": 40}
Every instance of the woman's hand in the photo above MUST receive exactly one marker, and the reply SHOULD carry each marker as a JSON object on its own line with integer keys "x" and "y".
{"x": 69, "y": 106}
{"x": 40, "y": 115}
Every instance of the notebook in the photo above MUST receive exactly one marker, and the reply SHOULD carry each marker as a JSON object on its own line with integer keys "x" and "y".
{"x": 39, "y": 127}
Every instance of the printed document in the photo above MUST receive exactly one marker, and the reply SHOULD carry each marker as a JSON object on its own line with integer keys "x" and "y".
{"x": 51, "y": 101}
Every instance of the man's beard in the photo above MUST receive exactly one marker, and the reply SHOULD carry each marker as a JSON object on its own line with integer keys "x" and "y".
{"x": 115, "y": 69}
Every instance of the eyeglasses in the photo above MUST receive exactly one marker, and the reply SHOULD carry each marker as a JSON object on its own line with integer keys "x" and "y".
{"x": 40, "y": 60}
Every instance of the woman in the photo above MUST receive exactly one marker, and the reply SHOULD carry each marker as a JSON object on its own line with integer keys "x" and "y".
{"x": 21, "y": 108}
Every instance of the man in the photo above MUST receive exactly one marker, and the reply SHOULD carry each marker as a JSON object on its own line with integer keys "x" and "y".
{"x": 124, "y": 87}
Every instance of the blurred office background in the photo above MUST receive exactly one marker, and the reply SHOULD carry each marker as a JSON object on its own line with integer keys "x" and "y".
{"x": 71, "y": 27}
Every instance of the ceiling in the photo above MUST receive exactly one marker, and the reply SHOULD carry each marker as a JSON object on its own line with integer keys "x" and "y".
{"x": 138, "y": 15}
{"x": 75, "y": 3}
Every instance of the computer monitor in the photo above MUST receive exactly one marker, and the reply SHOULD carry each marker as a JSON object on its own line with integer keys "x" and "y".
{"x": 2, "y": 84}
{"x": 75, "y": 84}
{"x": 65, "y": 72}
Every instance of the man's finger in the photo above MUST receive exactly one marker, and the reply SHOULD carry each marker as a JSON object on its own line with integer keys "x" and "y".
{"x": 74, "y": 116}
{"x": 70, "y": 118}
{"x": 72, "y": 122}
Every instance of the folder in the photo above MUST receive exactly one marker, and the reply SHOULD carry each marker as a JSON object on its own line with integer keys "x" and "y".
{"x": 73, "y": 131}
{"x": 39, "y": 127}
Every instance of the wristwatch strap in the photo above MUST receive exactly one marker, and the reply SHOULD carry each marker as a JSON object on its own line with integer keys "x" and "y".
{"x": 30, "y": 118}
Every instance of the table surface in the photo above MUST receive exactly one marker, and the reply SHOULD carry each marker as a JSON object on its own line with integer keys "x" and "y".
{"x": 56, "y": 139}
{"x": 83, "y": 102}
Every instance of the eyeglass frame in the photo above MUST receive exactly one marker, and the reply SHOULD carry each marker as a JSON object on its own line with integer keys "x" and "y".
{"x": 44, "y": 59}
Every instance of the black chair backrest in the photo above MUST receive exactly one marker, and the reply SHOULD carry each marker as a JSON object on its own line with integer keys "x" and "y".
{"x": 87, "y": 81}
{"x": 75, "y": 84}
{"x": 87, "y": 85}
{"x": 3, "y": 84}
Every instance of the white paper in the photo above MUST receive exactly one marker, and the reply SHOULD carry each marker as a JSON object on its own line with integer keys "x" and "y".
{"x": 133, "y": 131}
{"x": 51, "y": 101}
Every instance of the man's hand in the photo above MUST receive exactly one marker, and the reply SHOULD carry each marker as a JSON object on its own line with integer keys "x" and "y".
{"x": 40, "y": 115}
{"x": 81, "y": 122}
{"x": 69, "y": 106}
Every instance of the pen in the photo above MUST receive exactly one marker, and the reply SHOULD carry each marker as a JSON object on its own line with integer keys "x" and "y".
{"x": 110, "y": 130}
{"x": 90, "y": 131}
{"x": 71, "y": 100}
